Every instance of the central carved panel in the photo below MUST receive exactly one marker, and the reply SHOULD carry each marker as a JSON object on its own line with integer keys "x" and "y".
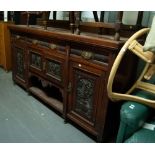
{"x": 36, "y": 60}
{"x": 54, "y": 69}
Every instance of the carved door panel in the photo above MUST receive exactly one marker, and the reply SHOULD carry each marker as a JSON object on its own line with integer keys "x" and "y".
{"x": 84, "y": 98}
{"x": 19, "y": 64}
{"x": 36, "y": 60}
{"x": 54, "y": 69}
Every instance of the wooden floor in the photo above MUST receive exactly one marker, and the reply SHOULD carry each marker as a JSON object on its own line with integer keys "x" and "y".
{"x": 24, "y": 119}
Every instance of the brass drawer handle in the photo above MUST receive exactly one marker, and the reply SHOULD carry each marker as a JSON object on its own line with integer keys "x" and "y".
{"x": 87, "y": 55}
{"x": 17, "y": 36}
{"x": 34, "y": 42}
{"x": 53, "y": 46}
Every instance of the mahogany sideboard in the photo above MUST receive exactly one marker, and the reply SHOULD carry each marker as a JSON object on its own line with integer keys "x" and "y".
{"x": 69, "y": 72}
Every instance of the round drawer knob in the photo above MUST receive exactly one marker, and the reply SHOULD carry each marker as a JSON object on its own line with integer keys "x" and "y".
{"x": 79, "y": 65}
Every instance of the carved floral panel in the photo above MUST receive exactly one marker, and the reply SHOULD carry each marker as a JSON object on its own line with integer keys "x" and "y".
{"x": 20, "y": 62}
{"x": 84, "y": 95}
{"x": 36, "y": 60}
{"x": 54, "y": 69}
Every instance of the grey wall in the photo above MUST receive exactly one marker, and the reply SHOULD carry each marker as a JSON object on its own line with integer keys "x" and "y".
{"x": 129, "y": 16}
{"x": 110, "y": 16}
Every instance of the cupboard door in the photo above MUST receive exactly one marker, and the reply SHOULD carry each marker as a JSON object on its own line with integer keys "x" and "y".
{"x": 85, "y": 93}
{"x": 19, "y": 65}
